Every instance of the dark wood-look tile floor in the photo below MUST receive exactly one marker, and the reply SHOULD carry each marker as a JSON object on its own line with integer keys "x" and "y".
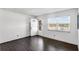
{"x": 37, "y": 43}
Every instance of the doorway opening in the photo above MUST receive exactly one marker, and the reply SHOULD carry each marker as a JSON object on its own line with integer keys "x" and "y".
{"x": 34, "y": 26}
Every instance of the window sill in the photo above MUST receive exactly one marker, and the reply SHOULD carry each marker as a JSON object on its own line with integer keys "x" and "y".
{"x": 59, "y": 31}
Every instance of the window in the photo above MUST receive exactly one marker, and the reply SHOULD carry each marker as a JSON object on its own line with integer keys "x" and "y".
{"x": 78, "y": 22}
{"x": 61, "y": 23}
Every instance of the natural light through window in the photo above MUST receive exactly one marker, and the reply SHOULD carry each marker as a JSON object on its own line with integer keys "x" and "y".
{"x": 61, "y": 23}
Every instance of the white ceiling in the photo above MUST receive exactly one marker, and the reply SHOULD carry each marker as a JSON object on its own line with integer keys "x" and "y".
{"x": 35, "y": 11}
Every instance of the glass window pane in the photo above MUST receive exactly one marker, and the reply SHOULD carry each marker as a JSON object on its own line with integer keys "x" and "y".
{"x": 59, "y": 23}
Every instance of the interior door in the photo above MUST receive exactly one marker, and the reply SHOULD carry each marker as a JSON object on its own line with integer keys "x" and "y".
{"x": 34, "y": 27}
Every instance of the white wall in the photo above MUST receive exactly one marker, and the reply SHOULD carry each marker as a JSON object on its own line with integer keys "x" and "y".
{"x": 13, "y": 26}
{"x": 69, "y": 37}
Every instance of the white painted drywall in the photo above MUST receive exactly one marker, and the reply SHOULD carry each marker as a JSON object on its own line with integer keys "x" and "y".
{"x": 35, "y": 11}
{"x": 69, "y": 37}
{"x": 13, "y": 26}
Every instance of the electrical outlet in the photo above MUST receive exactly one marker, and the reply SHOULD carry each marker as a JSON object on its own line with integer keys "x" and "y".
{"x": 17, "y": 35}
{"x": 54, "y": 36}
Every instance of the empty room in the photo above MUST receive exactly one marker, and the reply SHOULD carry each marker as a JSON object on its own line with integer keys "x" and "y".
{"x": 39, "y": 29}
